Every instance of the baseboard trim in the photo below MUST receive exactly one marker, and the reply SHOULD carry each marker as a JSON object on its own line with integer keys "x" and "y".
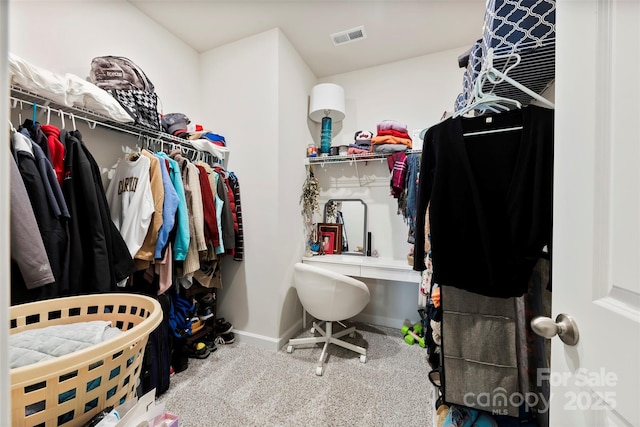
{"x": 275, "y": 344}
{"x": 374, "y": 320}
{"x": 268, "y": 343}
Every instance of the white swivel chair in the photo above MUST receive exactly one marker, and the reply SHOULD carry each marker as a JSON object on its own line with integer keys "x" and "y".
{"x": 329, "y": 297}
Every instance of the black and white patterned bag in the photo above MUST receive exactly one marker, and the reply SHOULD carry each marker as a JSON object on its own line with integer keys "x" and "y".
{"x": 141, "y": 105}
{"x": 128, "y": 84}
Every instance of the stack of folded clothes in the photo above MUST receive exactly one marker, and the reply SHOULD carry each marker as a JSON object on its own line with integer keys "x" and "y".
{"x": 361, "y": 143}
{"x": 178, "y": 124}
{"x": 392, "y": 137}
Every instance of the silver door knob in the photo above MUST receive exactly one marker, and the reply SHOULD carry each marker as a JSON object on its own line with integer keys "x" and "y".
{"x": 564, "y": 326}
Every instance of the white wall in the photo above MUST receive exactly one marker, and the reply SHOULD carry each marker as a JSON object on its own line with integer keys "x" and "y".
{"x": 415, "y": 92}
{"x": 64, "y": 37}
{"x": 295, "y": 80}
{"x": 257, "y": 89}
{"x": 239, "y": 82}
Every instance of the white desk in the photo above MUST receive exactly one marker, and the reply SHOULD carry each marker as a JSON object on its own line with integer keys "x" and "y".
{"x": 365, "y": 266}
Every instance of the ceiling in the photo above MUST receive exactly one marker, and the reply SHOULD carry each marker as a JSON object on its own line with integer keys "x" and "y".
{"x": 395, "y": 29}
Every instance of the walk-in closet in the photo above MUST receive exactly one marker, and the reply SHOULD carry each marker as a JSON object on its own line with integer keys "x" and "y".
{"x": 345, "y": 213}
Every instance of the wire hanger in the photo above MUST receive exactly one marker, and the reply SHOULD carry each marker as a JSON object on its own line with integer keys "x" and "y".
{"x": 135, "y": 154}
{"x": 489, "y": 101}
{"x": 481, "y": 100}
{"x": 61, "y": 115}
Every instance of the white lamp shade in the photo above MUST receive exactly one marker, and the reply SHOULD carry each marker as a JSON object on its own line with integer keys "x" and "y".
{"x": 327, "y": 100}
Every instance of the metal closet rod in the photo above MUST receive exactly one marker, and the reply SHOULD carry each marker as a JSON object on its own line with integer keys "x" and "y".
{"x": 125, "y": 128}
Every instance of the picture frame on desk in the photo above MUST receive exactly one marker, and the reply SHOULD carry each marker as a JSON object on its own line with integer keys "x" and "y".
{"x": 326, "y": 242}
{"x": 334, "y": 232}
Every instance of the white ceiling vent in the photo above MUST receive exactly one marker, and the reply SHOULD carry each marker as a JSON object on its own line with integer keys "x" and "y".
{"x": 349, "y": 36}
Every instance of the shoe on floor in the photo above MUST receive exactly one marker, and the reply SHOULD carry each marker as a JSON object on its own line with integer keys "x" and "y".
{"x": 198, "y": 351}
{"x": 222, "y": 326}
{"x": 209, "y": 341}
{"x": 224, "y": 339}
{"x": 205, "y": 312}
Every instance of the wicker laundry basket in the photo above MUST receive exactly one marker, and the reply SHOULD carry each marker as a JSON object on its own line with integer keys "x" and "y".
{"x": 71, "y": 389}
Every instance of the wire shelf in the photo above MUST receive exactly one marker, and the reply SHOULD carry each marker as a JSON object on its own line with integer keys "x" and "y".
{"x": 352, "y": 158}
{"x": 21, "y": 95}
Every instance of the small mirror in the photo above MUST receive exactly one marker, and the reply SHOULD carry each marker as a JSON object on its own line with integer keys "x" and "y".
{"x": 352, "y": 214}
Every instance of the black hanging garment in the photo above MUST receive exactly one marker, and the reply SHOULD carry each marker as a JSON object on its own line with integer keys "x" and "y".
{"x": 490, "y": 199}
{"x": 99, "y": 255}
{"x": 51, "y": 217}
{"x": 156, "y": 366}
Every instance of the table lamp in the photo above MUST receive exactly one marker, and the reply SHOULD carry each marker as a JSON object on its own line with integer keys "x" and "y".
{"x": 326, "y": 103}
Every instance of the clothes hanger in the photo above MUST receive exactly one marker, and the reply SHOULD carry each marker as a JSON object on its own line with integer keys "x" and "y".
{"x": 134, "y": 154}
{"x": 481, "y": 100}
{"x": 492, "y": 100}
{"x": 61, "y": 115}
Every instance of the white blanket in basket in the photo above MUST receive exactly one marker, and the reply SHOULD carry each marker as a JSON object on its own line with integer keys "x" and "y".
{"x": 36, "y": 345}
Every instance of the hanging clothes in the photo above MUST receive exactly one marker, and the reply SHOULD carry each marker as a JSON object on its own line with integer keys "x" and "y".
{"x": 99, "y": 253}
{"x": 37, "y": 135}
{"x": 490, "y": 197}
{"x": 227, "y": 221}
{"x": 209, "y": 207}
{"x": 182, "y": 237}
{"x": 409, "y": 213}
{"x": 212, "y": 220}
{"x": 193, "y": 199}
{"x": 169, "y": 208}
{"x": 145, "y": 254}
{"x": 130, "y": 200}
{"x": 51, "y": 213}
{"x": 30, "y": 267}
{"x": 238, "y": 254}
{"x": 56, "y": 149}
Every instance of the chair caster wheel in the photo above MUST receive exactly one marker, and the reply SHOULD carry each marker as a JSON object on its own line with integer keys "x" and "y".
{"x": 290, "y": 349}
{"x": 319, "y": 370}
{"x": 363, "y": 359}
{"x": 312, "y": 330}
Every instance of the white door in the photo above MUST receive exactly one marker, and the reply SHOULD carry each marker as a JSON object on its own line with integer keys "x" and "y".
{"x": 596, "y": 258}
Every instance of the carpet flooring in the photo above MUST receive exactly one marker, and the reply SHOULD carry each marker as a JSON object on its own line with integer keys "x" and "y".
{"x": 243, "y": 385}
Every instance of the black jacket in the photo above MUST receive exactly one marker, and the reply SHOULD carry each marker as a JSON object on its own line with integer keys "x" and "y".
{"x": 99, "y": 255}
{"x": 490, "y": 200}
{"x": 52, "y": 230}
